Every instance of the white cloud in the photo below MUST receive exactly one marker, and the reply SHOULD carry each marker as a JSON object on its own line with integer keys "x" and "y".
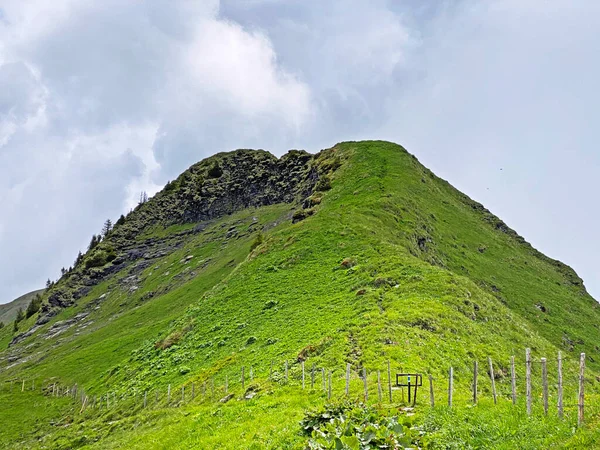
{"x": 100, "y": 100}
{"x": 240, "y": 68}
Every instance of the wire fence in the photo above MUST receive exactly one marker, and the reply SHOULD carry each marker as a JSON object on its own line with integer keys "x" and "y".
{"x": 541, "y": 382}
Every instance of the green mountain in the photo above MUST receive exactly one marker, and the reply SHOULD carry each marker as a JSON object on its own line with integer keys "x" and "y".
{"x": 356, "y": 255}
{"x": 8, "y": 311}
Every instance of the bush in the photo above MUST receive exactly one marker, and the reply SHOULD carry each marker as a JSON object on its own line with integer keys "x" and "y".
{"x": 270, "y": 304}
{"x": 215, "y": 171}
{"x": 257, "y": 241}
{"x": 324, "y": 184}
{"x": 96, "y": 259}
{"x": 169, "y": 341}
{"x": 99, "y": 257}
{"x": 355, "y": 426}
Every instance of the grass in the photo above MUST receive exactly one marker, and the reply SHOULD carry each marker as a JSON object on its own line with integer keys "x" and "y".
{"x": 393, "y": 264}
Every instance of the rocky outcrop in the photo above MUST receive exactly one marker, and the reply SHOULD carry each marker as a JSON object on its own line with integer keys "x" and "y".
{"x": 215, "y": 187}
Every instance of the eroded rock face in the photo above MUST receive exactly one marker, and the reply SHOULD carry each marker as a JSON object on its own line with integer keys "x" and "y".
{"x": 218, "y": 186}
{"x": 227, "y": 183}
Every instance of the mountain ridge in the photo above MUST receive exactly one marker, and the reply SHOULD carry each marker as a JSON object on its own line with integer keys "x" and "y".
{"x": 363, "y": 256}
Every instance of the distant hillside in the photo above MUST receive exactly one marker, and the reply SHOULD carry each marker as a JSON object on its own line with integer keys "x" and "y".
{"x": 8, "y": 311}
{"x": 349, "y": 258}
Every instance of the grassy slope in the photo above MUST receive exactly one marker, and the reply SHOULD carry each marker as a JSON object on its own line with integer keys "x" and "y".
{"x": 389, "y": 219}
{"x": 8, "y": 311}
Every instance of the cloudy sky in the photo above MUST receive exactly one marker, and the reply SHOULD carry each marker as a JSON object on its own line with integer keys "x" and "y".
{"x": 102, "y": 99}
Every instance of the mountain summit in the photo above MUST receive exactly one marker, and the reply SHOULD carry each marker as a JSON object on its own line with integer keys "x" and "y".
{"x": 356, "y": 255}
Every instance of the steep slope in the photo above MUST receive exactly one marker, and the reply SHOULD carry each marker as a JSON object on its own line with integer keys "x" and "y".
{"x": 8, "y": 311}
{"x": 356, "y": 255}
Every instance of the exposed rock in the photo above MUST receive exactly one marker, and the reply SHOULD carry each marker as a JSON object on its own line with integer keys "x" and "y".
{"x": 226, "y": 398}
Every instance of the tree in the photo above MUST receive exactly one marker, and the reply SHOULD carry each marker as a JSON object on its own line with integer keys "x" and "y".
{"x": 63, "y": 271}
{"x": 106, "y": 228}
{"x": 20, "y": 315}
{"x": 48, "y": 283}
{"x": 78, "y": 259}
{"x": 15, "y": 326}
{"x": 121, "y": 220}
{"x": 143, "y": 198}
{"x": 34, "y": 306}
{"x": 94, "y": 242}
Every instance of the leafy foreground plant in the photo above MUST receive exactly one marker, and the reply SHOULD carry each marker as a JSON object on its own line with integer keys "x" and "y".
{"x": 354, "y": 426}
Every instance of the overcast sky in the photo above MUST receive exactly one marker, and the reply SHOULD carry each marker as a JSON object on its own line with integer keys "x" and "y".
{"x": 102, "y": 99}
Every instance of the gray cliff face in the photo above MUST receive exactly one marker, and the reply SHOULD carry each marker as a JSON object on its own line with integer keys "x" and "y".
{"x": 215, "y": 187}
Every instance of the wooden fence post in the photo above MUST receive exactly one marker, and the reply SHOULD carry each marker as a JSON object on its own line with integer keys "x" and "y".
{"x": 251, "y": 374}
{"x": 302, "y": 364}
{"x": 389, "y": 381}
{"x": 475, "y": 382}
{"x": 431, "y": 399}
{"x": 323, "y": 373}
{"x": 493, "y": 380}
{"x": 347, "y": 378}
{"x": 379, "y": 385}
{"x": 560, "y": 386}
{"x": 450, "y": 386}
{"x": 545, "y": 385}
{"x": 145, "y": 399}
{"x": 528, "y": 379}
{"x": 329, "y": 390}
{"x": 365, "y": 384}
{"x": 193, "y": 390}
{"x": 226, "y": 384}
{"x": 513, "y": 380}
{"x": 23, "y": 386}
{"x": 580, "y": 403}
{"x": 168, "y": 394}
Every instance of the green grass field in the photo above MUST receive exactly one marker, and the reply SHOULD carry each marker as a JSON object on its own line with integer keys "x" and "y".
{"x": 391, "y": 264}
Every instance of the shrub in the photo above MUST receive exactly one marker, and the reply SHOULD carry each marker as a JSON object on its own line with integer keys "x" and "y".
{"x": 302, "y": 214}
{"x": 215, "y": 171}
{"x": 270, "y": 304}
{"x": 347, "y": 263}
{"x": 257, "y": 241}
{"x": 298, "y": 216}
{"x": 169, "y": 341}
{"x": 97, "y": 259}
{"x": 355, "y": 426}
{"x": 324, "y": 184}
